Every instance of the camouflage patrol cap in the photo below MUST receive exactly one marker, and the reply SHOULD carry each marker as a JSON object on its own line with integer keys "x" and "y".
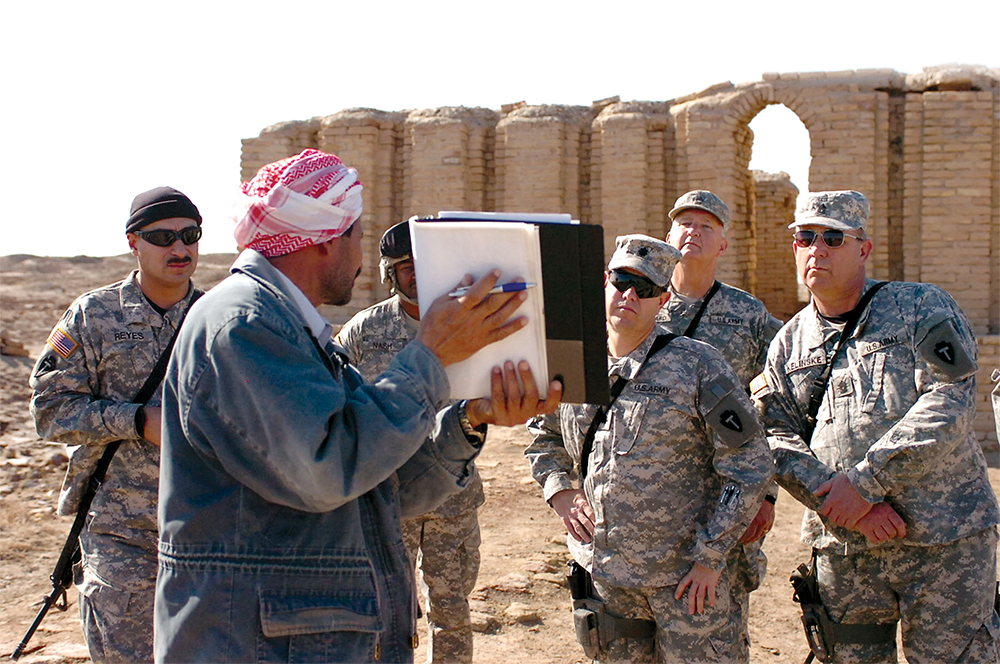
{"x": 846, "y": 210}
{"x": 700, "y": 199}
{"x": 654, "y": 259}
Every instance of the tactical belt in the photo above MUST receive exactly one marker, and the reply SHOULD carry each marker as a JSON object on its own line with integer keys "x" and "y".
{"x": 864, "y": 633}
{"x": 822, "y": 633}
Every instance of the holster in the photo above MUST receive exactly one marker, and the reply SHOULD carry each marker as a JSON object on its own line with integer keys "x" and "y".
{"x": 815, "y": 621}
{"x": 822, "y": 633}
{"x": 595, "y": 628}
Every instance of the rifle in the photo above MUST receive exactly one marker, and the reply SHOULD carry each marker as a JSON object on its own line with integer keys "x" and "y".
{"x": 62, "y": 575}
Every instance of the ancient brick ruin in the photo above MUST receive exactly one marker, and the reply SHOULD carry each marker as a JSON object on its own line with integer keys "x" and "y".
{"x": 924, "y": 148}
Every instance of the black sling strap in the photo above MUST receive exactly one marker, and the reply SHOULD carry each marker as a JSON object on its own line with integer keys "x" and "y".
{"x": 693, "y": 325}
{"x": 821, "y": 382}
{"x": 659, "y": 343}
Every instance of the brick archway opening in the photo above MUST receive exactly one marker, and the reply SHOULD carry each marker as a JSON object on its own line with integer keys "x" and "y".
{"x": 777, "y": 173}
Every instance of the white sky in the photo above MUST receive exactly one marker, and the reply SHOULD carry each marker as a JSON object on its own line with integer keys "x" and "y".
{"x": 103, "y": 100}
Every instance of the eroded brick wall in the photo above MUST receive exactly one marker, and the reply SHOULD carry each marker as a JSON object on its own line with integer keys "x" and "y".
{"x": 924, "y": 148}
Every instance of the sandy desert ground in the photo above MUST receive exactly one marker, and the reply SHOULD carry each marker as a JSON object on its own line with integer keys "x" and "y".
{"x": 521, "y": 605}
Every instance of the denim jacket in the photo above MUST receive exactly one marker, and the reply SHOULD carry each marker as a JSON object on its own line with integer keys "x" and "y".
{"x": 282, "y": 482}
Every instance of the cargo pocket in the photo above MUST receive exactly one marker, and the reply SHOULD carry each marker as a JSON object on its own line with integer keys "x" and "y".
{"x": 301, "y": 625}
{"x": 875, "y": 387}
{"x": 105, "y": 598}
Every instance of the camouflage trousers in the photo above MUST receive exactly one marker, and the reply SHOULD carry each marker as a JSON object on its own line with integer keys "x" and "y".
{"x": 446, "y": 549}
{"x": 943, "y": 595}
{"x": 117, "y": 583}
{"x": 748, "y": 565}
{"x": 711, "y": 636}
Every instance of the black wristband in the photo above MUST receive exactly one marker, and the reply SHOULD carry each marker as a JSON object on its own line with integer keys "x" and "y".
{"x": 140, "y": 421}
{"x": 771, "y": 499}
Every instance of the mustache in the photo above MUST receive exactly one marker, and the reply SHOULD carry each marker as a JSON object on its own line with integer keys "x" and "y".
{"x": 179, "y": 261}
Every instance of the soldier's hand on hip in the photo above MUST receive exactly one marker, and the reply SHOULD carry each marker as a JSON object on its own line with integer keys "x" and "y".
{"x": 454, "y": 328}
{"x": 700, "y": 583}
{"x": 843, "y": 505}
{"x": 881, "y": 524}
{"x": 510, "y": 403}
{"x": 572, "y": 507}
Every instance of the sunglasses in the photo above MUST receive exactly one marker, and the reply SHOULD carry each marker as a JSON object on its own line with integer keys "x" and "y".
{"x": 644, "y": 288}
{"x": 163, "y": 237}
{"x": 831, "y": 238}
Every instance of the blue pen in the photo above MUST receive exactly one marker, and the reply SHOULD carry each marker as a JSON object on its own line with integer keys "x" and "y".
{"x": 512, "y": 287}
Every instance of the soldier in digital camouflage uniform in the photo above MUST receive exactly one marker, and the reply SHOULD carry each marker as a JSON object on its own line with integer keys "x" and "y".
{"x": 676, "y": 473}
{"x": 97, "y": 358}
{"x": 900, "y": 510}
{"x": 732, "y": 321}
{"x": 444, "y": 542}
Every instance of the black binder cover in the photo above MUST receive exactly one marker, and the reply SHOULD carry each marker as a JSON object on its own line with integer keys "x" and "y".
{"x": 573, "y": 290}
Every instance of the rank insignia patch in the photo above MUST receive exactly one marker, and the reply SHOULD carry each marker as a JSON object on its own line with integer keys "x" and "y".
{"x": 62, "y": 342}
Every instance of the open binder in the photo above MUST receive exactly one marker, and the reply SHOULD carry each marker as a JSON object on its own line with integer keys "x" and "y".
{"x": 566, "y": 336}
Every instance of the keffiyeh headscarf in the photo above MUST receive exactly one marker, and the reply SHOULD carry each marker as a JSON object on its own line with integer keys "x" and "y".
{"x": 297, "y": 202}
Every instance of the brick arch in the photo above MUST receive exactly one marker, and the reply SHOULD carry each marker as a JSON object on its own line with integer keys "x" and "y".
{"x": 769, "y": 202}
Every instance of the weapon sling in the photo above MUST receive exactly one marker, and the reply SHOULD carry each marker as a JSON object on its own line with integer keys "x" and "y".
{"x": 62, "y": 575}
{"x": 821, "y": 381}
{"x": 602, "y": 412}
{"x": 693, "y": 325}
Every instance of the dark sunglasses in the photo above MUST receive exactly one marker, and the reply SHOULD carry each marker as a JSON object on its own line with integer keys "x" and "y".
{"x": 163, "y": 237}
{"x": 831, "y": 238}
{"x": 644, "y": 288}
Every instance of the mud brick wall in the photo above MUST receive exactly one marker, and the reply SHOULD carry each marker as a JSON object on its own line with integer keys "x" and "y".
{"x": 774, "y": 209}
{"x": 924, "y": 148}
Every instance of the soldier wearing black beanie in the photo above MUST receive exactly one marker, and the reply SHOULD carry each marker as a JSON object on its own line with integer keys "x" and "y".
{"x": 160, "y": 203}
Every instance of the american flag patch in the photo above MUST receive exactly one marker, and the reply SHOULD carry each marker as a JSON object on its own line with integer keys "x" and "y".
{"x": 759, "y": 387}
{"x": 62, "y": 342}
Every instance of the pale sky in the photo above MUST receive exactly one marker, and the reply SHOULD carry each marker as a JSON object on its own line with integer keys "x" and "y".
{"x": 103, "y": 100}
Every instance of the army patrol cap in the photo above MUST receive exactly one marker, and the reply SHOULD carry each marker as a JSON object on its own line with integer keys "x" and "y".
{"x": 846, "y": 210}
{"x": 652, "y": 258}
{"x": 700, "y": 199}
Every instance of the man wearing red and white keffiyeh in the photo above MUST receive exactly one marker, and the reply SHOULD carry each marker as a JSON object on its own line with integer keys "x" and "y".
{"x": 296, "y": 202}
{"x": 285, "y": 475}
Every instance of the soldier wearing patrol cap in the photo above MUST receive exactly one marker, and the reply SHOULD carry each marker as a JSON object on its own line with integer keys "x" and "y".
{"x": 901, "y": 515}
{"x": 731, "y": 320}
{"x": 97, "y": 358}
{"x": 444, "y": 542}
{"x": 673, "y": 471}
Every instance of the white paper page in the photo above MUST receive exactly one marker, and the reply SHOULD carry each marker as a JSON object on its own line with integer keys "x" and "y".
{"x": 443, "y": 252}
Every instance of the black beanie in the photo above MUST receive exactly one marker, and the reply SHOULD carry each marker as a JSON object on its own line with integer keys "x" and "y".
{"x": 160, "y": 203}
